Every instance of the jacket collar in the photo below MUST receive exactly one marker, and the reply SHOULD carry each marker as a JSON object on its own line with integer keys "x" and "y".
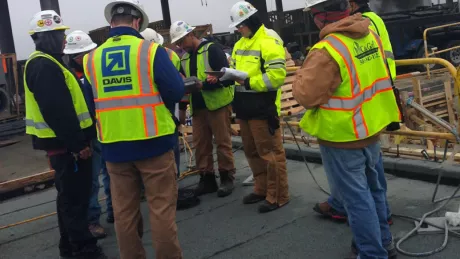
{"x": 119, "y": 31}
{"x": 260, "y": 32}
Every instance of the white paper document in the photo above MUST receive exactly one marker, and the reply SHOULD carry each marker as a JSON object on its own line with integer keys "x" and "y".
{"x": 233, "y": 74}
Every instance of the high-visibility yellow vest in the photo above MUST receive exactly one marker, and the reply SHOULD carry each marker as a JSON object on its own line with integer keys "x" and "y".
{"x": 264, "y": 59}
{"x": 128, "y": 104}
{"x": 214, "y": 99}
{"x": 364, "y": 104}
{"x": 378, "y": 26}
{"x": 35, "y": 123}
{"x": 174, "y": 58}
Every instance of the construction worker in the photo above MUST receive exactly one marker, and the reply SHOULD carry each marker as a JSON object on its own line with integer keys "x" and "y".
{"x": 135, "y": 88}
{"x": 346, "y": 88}
{"x": 257, "y": 105}
{"x": 78, "y": 44}
{"x": 332, "y": 208}
{"x": 210, "y": 109}
{"x": 152, "y": 36}
{"x": 59, "y": 122}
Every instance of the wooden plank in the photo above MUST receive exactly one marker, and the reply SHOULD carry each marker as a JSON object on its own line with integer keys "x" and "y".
{"x": 289, "y": 80}
{"x": 433, "y": 97}
{"x": 26, "y": 181}
{"x": 417, "y": 90}
{"x": 431, "y": 104}
{"x": 450, "y": 101}
{"x": 286, "y": 88}
{"x": 289, "y": 104}
{"x": 297, "y": 110}
{"x": 418, "y": 152}
{"x": 287, "y": 95}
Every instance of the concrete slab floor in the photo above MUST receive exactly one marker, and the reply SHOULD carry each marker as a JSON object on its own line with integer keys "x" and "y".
{"x": 20, "y": 160}
{"x": 224, "y": 228}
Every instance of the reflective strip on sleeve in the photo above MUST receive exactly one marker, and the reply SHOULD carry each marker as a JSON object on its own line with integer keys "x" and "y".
{"x": 254, "y": 53}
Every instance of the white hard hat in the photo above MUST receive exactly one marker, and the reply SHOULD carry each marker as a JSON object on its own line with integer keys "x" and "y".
{"x": 152, "y": 35}
{"x": 240, "y": 12}
{"x": 78, "y": 42}
{"x": 109, "y": 12}
{"x": 47, "y": 20}
{"x": 179, "y": 30}
{"x": 310, "y": 3}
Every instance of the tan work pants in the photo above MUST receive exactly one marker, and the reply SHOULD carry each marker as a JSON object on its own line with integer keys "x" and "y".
{"x": 207, "y": 124}
{"x": 159, "y": 177}
{"x": 267, "y": 159}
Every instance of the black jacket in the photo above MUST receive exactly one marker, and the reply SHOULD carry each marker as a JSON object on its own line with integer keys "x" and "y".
{"x": 47, "y": 83}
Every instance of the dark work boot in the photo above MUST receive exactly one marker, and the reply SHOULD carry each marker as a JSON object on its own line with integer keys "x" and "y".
{"x": 226, "y": 184}
{"x": 253, "y": 198}
{"x": 208, "y": 184}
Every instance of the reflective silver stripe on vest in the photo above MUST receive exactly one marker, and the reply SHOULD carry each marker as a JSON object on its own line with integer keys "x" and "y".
{"x": 37, "y": 125}
{"x": 360, "y": 125}
{"x": 128, "y": 102}
{"x": 345, "y": 53}
{"x": 389, "y": 55}
{"x": 43, "y": 125}
{"x": 205, "y": 58}
{"x": 150, "y": 121}
{"x": 255, "y": 53}
{"x": 354, "y": 103}
{"x": 276, "y": 61}
{"x": 92, "y": 74}
{"x": 146, "y": 66}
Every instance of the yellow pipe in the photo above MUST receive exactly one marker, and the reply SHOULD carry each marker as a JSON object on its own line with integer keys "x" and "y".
{"x": 425, "y": 41}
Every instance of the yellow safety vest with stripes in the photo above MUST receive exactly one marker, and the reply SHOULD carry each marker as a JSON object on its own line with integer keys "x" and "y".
{"x": 35, "y": 123}
{"x": 128, "y": 104}
{"x": 264, "y": 59}
{"x": 364, "y": 104}
{"x": 214, "y": 99}
{"x": 174, "y": 58}
{"x": 378, "y": 26}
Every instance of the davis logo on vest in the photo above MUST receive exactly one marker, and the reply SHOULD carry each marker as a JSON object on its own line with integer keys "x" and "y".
{"x": 366, "y": 52}
{"x": 116, "y": 71}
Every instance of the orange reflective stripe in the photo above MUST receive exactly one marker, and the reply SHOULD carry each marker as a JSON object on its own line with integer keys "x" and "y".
{"x": 5, "y": 68}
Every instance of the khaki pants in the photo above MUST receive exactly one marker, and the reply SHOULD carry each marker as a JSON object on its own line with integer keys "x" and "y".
{"x": 267, "y": 159}
{"x": 207, "y": 124}
{"x": 159, "y": 177}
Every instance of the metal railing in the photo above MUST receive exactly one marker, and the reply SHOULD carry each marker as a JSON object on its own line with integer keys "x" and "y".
{"x": 434, "y": 50}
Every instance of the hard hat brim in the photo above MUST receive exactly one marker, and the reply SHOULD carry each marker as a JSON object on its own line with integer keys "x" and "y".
{"x": 182, "y": 35}
{"x": 77, "y": 51}
{"x": 234, "y": 24}
{"x": 108, "y": 13}
{"x": 62, "y": 27}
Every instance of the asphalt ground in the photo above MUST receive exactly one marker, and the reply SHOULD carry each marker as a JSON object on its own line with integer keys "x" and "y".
{"x": 224, "y": 228}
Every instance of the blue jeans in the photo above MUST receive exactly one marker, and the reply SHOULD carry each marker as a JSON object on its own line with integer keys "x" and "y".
{"x": 94, "y": 209}
{"x": 354, "y": 178}
{"x": 337, "y": 205}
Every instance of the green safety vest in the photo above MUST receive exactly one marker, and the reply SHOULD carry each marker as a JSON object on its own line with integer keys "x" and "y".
{"x": 214, "y": 99}
{"x": 35, "y": 123}
{"x": 128, "y": 104}
{"x": 378, "y": 26}
{"x": 364, "y": 103}
{"x": 264, "y": 59}
{"x": 174, "y": 58}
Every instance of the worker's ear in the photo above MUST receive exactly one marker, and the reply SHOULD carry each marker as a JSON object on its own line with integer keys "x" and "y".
{"x": 137, "y": 24}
